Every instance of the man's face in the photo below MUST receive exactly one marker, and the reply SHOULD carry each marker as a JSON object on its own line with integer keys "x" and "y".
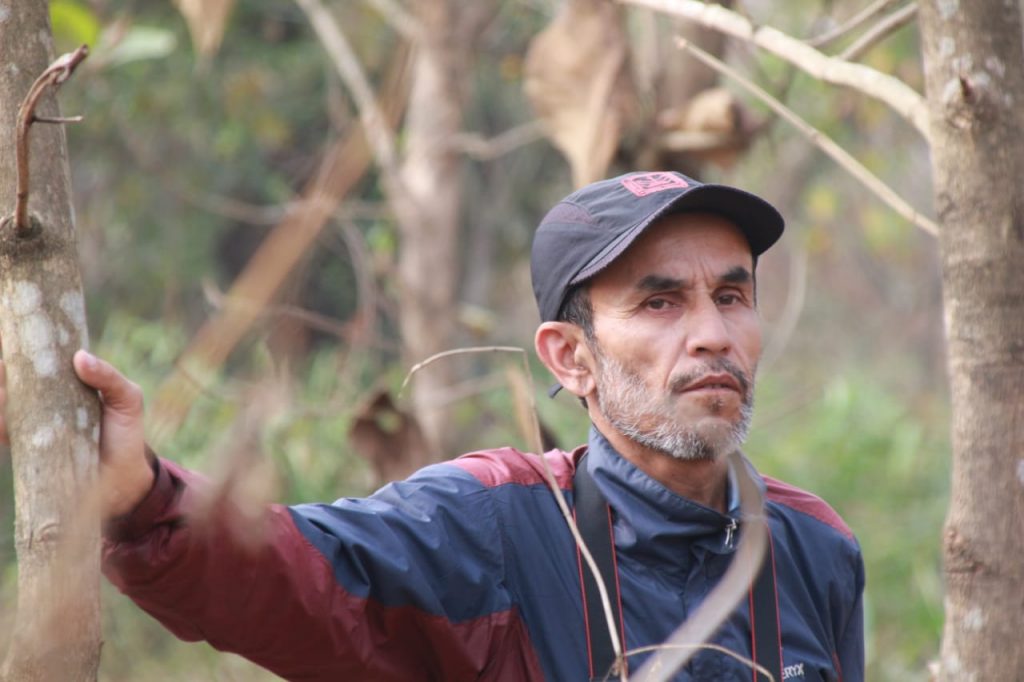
{"x": 678, "y": 338}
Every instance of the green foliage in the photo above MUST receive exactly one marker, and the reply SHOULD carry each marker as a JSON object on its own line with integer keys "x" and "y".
{"x": 139, "y": 43}
{"x": 884, "y": 465}
{"x": 73, "y": 24}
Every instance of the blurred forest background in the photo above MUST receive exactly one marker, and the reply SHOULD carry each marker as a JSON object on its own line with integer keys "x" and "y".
{"x": 197, "y": 145}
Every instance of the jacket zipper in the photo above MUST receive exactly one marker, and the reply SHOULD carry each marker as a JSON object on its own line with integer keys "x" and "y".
{"x": 730, "y": 531}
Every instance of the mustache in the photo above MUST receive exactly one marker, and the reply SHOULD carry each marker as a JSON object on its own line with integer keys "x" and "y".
{"x": 719, "y": 365}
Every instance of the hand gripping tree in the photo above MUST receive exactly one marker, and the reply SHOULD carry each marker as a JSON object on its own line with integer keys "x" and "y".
{"x": 53, "y": 420}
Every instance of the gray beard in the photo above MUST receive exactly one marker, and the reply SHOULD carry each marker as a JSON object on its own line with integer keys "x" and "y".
{"x": 629, "y": 406}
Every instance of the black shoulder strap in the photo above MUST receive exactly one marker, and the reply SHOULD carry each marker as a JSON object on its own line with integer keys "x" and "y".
{"x": 594, "y": 520}
{"x": 765, "y": 637}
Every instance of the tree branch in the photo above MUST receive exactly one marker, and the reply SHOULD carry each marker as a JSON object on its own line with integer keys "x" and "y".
{"x": 879, "y": 32}
{"x": 54, "y": 75}
{"x": 399, "y": 19}
{"x": 722, "y": 601}
{"x": 378, "y": 133}
{"x": 708, "y": 646}
{"x": 796, "y": 296}
{"x": 451, "y": 353}
{"x": 524, "y": 394}
{"x": 486, "y": 149}
{"x": 823, "y": 142}
{"x": 855, "y": 22}
{"x": 889, "y": 90}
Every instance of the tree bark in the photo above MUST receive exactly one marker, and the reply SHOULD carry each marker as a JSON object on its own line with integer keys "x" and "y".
{"x": 52, "y": 419}
{"x": 431, "y": 172}
{"x": 975, "y": 87}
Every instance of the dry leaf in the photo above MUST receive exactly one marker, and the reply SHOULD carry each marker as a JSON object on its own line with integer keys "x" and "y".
{"x": 390, "y": 439}
{"x": 711, "y": 126}
{"x": 207, "y": 20}
{"x": 578, "y": 83}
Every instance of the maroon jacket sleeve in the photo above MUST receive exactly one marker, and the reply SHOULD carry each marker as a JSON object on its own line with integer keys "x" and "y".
{"x": 279, "y": 603}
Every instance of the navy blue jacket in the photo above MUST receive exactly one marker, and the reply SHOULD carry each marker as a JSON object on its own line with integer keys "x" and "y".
{"x": 466, "y": 571}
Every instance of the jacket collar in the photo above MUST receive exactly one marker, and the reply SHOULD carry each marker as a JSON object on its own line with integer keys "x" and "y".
{"x": 649, "y": 517}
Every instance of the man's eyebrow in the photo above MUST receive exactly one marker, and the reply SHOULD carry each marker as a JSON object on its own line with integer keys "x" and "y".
{"x": 737, "y": 275}
{"x": 661, "y": 283}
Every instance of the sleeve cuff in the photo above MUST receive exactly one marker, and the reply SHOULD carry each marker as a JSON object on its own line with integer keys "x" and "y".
{"x": 139, "y": 521}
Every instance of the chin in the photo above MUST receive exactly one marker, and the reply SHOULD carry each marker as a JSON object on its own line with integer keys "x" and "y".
{"x": 713, "y": 439}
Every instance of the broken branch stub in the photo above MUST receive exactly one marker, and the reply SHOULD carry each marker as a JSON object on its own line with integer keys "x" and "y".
{"x": 58, "y": 72}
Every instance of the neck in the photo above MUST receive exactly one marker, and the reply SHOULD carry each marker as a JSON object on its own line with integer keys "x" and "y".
{"x": 703, "y": 481}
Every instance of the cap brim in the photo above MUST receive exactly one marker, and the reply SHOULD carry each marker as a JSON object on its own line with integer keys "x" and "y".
{"x": 759, "y": 221}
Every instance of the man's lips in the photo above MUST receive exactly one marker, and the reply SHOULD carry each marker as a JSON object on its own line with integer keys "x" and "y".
{"x": 714, "y": 382}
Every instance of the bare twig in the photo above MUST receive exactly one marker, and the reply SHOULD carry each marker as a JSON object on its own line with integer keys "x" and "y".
{"x": 619, "y": 667}
{"x": 549, "y": 477}
{"x": 312, "y": 319}
{"x": 367, "y": 294}
{"x": 823, "y": 142}
{"x": 722, "y": 601}
{"x": 879, "y": 32}
{"x": 451, "y": 353}
{"x": 399, "y": 19}
{"x": 796, "y": 296}
{"x": 526, "y": 395}
{"x": 379, "y": 134}
{"x": 60, "y": 120}
{"x": 885, "y": 88}
{"x": 852, "y": 24}
{"x": 588, "y": 558}
{"x": 234, "y": 209}
{"x": 697, "y": 140}
{"x": 54, "y": 75}
{"x": 482, "y": 149}
{"x": 470, "y": 388}
{"x": 706, "y": 645}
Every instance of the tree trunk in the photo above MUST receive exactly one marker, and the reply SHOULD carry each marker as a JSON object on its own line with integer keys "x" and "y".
{"x": 428, "y": 267}
{"x": 53, "y": 420}
{"x": 972, "y": 58}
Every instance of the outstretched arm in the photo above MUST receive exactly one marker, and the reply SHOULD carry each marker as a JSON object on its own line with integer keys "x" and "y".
{"x": 405, "y": 585}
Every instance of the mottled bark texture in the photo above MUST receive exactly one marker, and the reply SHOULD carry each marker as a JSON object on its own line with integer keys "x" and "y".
{"x": 429, "y": 216}
{"x": 53, "y": 420}
{"x": 975, "y": 86}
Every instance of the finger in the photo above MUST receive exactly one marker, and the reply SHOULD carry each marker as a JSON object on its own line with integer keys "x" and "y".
{"x": 118, "y": 393}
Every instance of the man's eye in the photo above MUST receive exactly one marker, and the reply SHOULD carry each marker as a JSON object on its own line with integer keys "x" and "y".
{"x": 728, "y": 299}
{"x": 657, "y": 304}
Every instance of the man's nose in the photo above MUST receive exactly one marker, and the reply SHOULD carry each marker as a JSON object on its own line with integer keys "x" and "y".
{"x": 707, "y": 332}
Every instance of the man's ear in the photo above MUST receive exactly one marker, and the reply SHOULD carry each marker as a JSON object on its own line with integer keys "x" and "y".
{"x": 562, "y": 348}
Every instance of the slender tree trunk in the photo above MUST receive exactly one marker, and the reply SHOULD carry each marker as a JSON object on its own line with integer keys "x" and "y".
{"x": 975, "y": 84}
{"x": 53, "y": 420}
{"x": 432, "y": 168}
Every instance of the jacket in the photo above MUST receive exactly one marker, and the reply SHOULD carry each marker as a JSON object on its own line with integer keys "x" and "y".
{"x": 467, "y": 571}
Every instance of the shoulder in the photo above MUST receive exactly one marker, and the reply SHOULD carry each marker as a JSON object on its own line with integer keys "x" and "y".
{"x": 799, "y": 501}
{"x": 508, "y": 466}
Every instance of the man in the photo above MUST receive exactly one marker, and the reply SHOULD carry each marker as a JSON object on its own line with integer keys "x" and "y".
{"x": 466, "y": 571}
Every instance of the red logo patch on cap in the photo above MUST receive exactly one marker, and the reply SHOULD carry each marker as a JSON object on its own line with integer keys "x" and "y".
{"x": 648, "y": 183}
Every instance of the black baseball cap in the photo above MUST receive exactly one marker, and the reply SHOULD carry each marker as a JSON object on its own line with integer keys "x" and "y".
{"x": 594, "y": 225}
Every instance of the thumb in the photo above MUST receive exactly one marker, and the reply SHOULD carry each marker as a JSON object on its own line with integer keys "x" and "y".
{"x": 117, "y": 392}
